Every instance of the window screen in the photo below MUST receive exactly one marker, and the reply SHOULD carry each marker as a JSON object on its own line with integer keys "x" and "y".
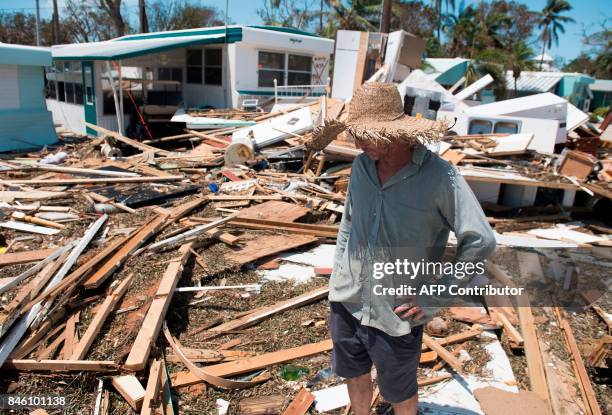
{"x": 213, "y": 61}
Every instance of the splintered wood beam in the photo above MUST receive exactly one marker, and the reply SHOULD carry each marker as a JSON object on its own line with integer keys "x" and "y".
{"x": 82, "y": 347}
{"x": 116, "y": 260}
{"x": 300, "y": 403}
{"x": 130, "y": 388}
{"x": 455, "y": 338}
{"x": 61, "y": 365}
{"x": 153, "y": 387}
{"x": 443, "y": 353}
{"x": 139, "y": 354}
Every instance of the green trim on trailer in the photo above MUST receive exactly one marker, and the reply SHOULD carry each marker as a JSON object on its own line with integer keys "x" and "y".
{"x": 234, "y": 34}
{"x": 291, "y": 30}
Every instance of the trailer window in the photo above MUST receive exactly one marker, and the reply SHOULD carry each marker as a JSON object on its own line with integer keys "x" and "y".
{"x": 299, "y": 70}
{"x": 480, "y": 127}
{"x": 271, "y": 66}
{"x": 213, "y": 64}
{"x": 194, "y": 66}
{"x": 170, "y": 74}
{"x": 506, "y": 127}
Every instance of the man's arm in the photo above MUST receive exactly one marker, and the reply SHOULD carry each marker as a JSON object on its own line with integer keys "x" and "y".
{"x": 475, "y": 238}
{"x": 343, "y": 232}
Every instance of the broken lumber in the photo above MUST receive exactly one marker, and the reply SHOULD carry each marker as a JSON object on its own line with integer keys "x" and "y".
{"x": 586, "y": 388}
{"x": 61, "y": 365}
{"x": 130, "y": 388}
{"x": 27, "y": 256}
{"x": 116, "y": 260}
{"x": 94, "y": 172}
{"x": 455, "y": 338}
{"x": 139, "y": 353}
{"x": 81, "y": 349}
{"x": 327, "y": 231}
{"x": 263, "y": 312}
{"x": 153, "y": 387}
{"x": 535, "y": 366}
{"x": 250, "y": 364}
{"x": 300, "y": 403}
{"x": 106, "y": 180}
{"x": 39, "y": 311}
{"x": 128, "y": 141}
{"x": 443, "y": 353}
{"x": 190, "y": 234}
{"x": 205, "y": 375}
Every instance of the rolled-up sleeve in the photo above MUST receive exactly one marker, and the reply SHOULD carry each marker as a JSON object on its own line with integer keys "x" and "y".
{"x": 462, "y": 211}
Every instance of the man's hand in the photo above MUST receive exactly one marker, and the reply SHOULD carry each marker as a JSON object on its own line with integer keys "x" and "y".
{"x": 408, "y": 310}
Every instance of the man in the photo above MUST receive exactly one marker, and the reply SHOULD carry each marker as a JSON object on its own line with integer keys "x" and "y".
{"x": 402, "y": 201}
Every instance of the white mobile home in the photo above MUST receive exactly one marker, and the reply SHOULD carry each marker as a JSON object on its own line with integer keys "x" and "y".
{"x": 151, "y": 75}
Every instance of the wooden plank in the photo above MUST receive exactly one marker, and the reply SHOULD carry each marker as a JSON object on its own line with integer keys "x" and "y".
{"x": 61, "y": 365}
{"x": 535, "y": 366}
{"x": 267, "y": 245}
{"x": 434, "y": 379}
{"x": 274, "y": 210}
{"x": 300, "y": 403}
{"x": 77, "y": 274}
{"x": 81, "y": 349}
{"x": 24, "y": 257}
{"x": 443, "y": 353}
{"x": 70, "y": 337}
{"x": 49, "y": 351}
{"x": 130, "y": 388}
{"x": 263, "y": 312}
{"x": 330, "y": 231}
{"x": 589, "y": 396}
{"x": 116, "y": 260}
{"x": 106, "y": 180}
{"x": 510, "y": 330}
{"x": 261, "y": 405}
{"x": 455, "y": 338}
{"x": 152, "y": 390}
{"x": 128, "y": 141}
{"x": 152, "y": 323}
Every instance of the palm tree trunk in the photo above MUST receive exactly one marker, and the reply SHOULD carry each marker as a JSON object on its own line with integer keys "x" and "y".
{"x": 544, "y": 38}
{"x": 515, "y": 89}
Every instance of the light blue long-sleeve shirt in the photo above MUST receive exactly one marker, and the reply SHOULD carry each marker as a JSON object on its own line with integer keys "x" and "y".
{"x": 410, "y": 216}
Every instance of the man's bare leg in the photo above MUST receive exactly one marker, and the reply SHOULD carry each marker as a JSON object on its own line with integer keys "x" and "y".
{"x": 407, "y": 407}
{"x": 360, "y": 392}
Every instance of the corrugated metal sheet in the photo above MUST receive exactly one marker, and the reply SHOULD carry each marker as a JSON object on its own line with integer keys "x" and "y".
{"x": 534, "y": 81}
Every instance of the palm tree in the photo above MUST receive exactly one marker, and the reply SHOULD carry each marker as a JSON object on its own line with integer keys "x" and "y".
{"x": 354, "y": 15}
{"x": 437, "y": 4}
{"x": 520, "y": 59}
{"x": 551, "y": 22}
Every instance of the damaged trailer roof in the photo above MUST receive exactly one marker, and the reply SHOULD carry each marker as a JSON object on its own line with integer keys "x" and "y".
{"x": 113, "y": 50}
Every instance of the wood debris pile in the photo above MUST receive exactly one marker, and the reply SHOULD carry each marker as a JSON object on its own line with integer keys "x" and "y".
{"x": 131, "y": 272}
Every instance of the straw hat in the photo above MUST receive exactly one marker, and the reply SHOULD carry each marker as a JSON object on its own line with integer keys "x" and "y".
{"x": 376, "y": 113}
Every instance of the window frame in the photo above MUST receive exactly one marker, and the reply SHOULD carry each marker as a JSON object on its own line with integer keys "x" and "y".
{"x": 200, "y": 66}
{"x": 207, "y": 66}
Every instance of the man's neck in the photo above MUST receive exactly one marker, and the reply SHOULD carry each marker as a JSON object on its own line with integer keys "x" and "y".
{"x": 398, "y": 156}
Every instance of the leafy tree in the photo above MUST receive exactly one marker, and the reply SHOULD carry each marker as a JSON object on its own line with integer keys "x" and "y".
{"x": 551, "y": 22}
{"x": 288, "y": 13}
{"x": 176, "y": 15}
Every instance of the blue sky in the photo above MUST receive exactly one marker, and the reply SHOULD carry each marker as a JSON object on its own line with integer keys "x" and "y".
{"x": 588, "y": 14}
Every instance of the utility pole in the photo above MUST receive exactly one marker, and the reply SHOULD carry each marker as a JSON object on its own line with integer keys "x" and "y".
{"x": 321, "y": 19}
{"x": 37, "y": 23}
{"x": 144, "y": 23}
{"x": 56, "y": 28}
{"x": 385, "y": 21}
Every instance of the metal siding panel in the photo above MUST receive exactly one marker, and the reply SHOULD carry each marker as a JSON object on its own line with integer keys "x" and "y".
{"x": 9, "y": 87}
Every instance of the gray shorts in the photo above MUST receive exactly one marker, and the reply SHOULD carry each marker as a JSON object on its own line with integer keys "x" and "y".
{"x": 357, "y": 346}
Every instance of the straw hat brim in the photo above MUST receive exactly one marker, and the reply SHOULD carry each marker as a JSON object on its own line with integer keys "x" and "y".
{"x": 405, "y": 128}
